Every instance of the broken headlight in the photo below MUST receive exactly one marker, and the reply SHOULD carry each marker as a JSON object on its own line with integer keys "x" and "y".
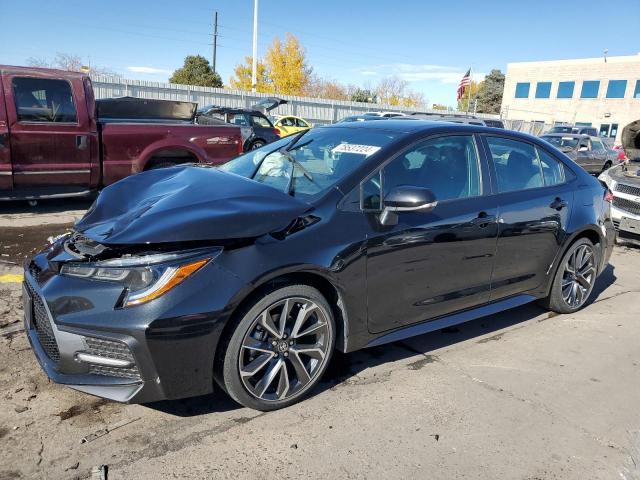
{"x": 145, "y": 277}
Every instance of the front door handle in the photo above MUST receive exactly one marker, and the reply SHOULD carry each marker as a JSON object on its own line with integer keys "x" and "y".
{"x": 483, "y": 220}
{"x": 82, "y": 142}
{"x": 558, "y": 204}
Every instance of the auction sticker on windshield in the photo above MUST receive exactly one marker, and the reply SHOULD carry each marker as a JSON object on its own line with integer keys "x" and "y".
{"x": 352, "y": 148}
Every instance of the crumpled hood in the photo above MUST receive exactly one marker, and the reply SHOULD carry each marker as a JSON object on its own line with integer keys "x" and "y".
{"x": 629, "y": 176}
{"x": 187, "y": 203}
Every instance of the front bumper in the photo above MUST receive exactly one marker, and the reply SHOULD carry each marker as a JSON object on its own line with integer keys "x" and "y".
{"x": 162, "y": 350}
{"x": 625, "y": 213}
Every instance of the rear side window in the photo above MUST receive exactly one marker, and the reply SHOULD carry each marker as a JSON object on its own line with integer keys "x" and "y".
{"x": 301, "y": 123}
{"x": 44, "y": 100}
{"x": 258, "y": 121}
{"x": 552, "y": 169}
{"x": 516, "y": 164}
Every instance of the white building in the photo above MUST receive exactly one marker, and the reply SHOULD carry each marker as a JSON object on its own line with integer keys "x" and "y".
{"x": 599, "y": 92}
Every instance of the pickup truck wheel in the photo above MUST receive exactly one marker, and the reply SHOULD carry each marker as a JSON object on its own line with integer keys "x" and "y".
{"x": 257, "y": 144}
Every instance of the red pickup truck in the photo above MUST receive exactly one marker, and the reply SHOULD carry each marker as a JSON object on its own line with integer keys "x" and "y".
{"x": 56, "y": 140}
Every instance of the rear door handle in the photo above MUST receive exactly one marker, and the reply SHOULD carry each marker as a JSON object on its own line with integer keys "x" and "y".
{"x": 558, "y": 204}
{"x": 81, "y": 142}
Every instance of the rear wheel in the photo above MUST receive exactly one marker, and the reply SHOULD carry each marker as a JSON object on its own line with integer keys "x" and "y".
{"x": 257, "y": 144}
{"x": 279, "y": 349}
{"x": 575, "y": 278}
{"x": 606, "y": 166}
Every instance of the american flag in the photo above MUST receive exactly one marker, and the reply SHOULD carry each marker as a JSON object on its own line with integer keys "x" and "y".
{"x": 464, "y": 83}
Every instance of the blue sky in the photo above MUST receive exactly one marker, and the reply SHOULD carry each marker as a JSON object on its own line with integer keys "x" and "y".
{"x": 429, "y": 43}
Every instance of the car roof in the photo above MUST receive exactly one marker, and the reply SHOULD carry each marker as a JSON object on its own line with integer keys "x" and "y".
{"x": 417, "y": 127}
{"x": 572, "y": 135}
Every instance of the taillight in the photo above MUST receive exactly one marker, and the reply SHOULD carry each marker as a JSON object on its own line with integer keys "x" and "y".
{"x": 608, "y": 196}
{"x": 240, "y": 147}
{"x": 277, "y": 131}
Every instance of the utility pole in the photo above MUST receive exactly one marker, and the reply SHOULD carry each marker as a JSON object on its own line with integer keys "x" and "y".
{"x": 254, "y": 67}
{"x": 215, "y": 40}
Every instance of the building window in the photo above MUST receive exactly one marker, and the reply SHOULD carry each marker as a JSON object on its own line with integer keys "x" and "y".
{"x": 614, "y": 130}
{"x": 543, "y": 89}
{"x": 604, "y": 130}
{"x": 590, "y": 89}
{"x": 636, "y": 92}
{"x": 583, "y": 124}
{"x": 616, "y": 88}
{"x": 522, "y": 89}
{"x": 565, "y": 89}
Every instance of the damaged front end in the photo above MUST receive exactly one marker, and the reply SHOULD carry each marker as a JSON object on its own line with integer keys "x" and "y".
{"x": 98, "y": 316}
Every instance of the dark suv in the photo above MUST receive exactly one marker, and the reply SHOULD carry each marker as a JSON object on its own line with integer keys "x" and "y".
{"x": 343, "y": 237}
{"x": 257, "y": 130}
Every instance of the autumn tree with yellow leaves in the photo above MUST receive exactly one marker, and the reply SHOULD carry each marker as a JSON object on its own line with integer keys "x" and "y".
{"x": 284, "y": 69}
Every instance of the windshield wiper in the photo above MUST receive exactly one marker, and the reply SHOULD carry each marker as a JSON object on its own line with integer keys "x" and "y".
{"x": 285, "y": 153}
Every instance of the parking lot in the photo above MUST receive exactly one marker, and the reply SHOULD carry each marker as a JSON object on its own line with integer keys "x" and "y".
{"x": 523, "y": 394}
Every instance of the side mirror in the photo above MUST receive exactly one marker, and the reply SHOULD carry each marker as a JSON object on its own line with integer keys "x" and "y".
{"x": 406, "y": 198}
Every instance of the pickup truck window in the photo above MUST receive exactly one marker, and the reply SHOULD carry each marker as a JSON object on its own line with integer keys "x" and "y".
{"x": 43, "y": 100}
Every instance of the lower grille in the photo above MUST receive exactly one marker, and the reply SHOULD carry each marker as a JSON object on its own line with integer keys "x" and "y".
{"x": 626, "y": 205}
{"x": 42, "y": 326}
{"x": 630, "y": 189}
{"x": 111, "y": 349}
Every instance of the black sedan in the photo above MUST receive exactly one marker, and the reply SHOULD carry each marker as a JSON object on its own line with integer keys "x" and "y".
{"x": 342, "y": 237}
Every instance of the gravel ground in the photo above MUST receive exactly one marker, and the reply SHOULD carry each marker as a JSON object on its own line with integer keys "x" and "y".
{"x": 519, "y": 395}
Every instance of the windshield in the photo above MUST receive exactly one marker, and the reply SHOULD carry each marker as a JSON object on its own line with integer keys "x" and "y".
{"x": 563, "y": 143}
{"x": 561, "y": 130}
{"x": 311, "y": 163}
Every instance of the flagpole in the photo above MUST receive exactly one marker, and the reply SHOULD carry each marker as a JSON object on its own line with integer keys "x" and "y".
{"x": 470, "y": 85}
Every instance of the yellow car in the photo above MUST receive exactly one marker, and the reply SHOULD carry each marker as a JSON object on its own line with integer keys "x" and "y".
{"x": 290, "y": 124}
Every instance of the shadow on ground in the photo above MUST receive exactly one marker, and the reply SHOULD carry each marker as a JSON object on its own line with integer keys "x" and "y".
{"x": 58, "y": 205}
{"x": 343, "y": 367}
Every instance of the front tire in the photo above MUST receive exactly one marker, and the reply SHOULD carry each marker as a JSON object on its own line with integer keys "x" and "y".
{"x": 574, "y": 280}
{"x": 279, "y": 349}
{"x": 257, "y": 144}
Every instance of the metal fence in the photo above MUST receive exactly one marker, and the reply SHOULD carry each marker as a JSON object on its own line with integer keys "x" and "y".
{"x": 315, "y": 110}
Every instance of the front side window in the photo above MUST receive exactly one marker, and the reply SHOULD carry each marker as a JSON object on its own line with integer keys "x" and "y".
{"x": 596, "y": 145}
{"x": 543, "y": 89}
{"x": 44, "y": 100}
{"x": 616, "y": 88}
{"x": 516, "y": 163}
{"x": 309, "y": 164}
{"x": 565, "y": 89}
{"x": 446, "y": 165}
{"x": 590, "y": 89}
{"x": 522, "y": 89}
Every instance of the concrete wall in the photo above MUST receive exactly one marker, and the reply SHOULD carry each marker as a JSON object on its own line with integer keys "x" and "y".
{"x": 597, "y": 111}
